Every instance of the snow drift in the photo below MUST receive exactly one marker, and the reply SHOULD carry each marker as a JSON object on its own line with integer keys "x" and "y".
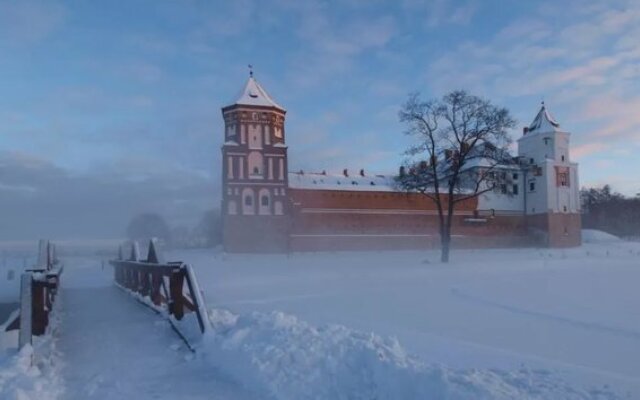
{"x": 596, "y": 236}
{"x": 285, "y": 358}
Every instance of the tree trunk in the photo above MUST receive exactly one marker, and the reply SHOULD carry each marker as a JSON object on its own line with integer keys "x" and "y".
{"x": 445, "y": 240}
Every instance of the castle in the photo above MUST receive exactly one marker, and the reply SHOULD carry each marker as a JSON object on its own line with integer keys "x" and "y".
{"x": 267, "y": 208}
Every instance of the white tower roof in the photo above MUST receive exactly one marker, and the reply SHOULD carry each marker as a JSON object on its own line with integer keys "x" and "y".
{"x": 254, "y": 95}
{"x": 544, "y": 122}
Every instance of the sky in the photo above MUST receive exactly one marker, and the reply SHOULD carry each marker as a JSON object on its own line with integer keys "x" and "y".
{"x": 108, "y": 109}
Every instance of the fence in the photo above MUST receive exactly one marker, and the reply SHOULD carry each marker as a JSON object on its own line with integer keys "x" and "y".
{"x": 38, "y": 289}
{"x": 169, "y": 285}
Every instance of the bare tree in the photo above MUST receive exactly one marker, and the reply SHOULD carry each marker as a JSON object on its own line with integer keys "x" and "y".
{"x": 461, "y": 140}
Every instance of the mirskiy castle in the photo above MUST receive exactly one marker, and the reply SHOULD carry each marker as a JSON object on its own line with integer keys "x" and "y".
{"x": 268, "y": 208}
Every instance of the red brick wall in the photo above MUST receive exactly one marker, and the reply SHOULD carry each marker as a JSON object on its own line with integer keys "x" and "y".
{"x": 355, "y": 220}
{"x": 256, "y": 234}
{"x": 350, "y": 220}
{"x": 557, "y": 229}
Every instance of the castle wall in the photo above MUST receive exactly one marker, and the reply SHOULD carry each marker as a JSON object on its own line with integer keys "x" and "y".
{"x": 355, "y": 220}
{"x": 256, "y": 234}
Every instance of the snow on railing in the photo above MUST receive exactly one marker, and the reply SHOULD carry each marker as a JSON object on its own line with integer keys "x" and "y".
{"x": 161, "y": 284}
{"x": 38, "y": 289}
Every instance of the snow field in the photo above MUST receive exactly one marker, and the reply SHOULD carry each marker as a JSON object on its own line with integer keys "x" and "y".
{"x": 560, "y": 319}
{"x": 286, "y": 359}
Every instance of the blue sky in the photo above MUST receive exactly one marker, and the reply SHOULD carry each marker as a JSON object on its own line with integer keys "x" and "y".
{"x": 119, "y": 96}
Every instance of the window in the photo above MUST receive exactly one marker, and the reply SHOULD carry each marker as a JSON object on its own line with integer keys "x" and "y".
{"x": 503, "y": 188}
{"x": 563, "y": 179}
{"x": 532, "y": 186}
{"x": 564, "y": 208}
{"x": 256, "y": 164}
{"x": 515, "y": 189}
{"x": 562, "y": 158}
{"x": 265, "y": 202}
{"x": 248, "y": 201}
{"x": 515, "y": 176}
{"x": 531, "y": 161}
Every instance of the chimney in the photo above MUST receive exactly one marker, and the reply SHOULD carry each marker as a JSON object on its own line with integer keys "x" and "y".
{"x": 525, "y": 130}
{"x": 324, "y": 172}
{"x": 362, "y": 172}
{"x": 345, "y": 172}
{"x": 423, "y": 166}
{"x": 403, "y": 171}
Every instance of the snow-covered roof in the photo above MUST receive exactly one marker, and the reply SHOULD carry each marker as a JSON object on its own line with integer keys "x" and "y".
{"x": 353, "y": 182}
{"x": 544, "y": 122}
{"x": 254, "y": 95}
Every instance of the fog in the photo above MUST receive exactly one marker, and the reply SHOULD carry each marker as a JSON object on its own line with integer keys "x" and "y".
{"x": 40, "y": 199}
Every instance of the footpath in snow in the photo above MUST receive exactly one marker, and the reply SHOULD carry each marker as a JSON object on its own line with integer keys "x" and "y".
{"x": 113, "y": 347}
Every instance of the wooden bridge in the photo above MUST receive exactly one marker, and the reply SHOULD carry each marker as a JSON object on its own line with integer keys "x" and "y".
{"x": 111, "y": 343}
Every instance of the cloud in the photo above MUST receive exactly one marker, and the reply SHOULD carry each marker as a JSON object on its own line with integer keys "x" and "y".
{"x": 586, "y": 149}
{"x": 26, "y": 22}
{"x": 442, "y": 12}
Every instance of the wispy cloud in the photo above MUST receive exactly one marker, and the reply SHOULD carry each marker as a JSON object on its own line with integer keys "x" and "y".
{"x": 26, "y": 22}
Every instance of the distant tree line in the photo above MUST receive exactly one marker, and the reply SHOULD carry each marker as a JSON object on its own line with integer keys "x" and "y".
{"x": 207, "y": 233}
{"x": 609, "y": 211}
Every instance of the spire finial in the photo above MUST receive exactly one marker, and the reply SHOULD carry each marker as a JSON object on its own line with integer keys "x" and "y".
{"x": 250, "y": 71}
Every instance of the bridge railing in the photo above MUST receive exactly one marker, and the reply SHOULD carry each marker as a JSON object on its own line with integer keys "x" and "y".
{"x": 169, "y": 285}
{"x": 38, "y": 289}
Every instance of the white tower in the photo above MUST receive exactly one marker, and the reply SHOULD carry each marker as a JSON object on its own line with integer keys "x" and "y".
{"x": 552, "y": 197}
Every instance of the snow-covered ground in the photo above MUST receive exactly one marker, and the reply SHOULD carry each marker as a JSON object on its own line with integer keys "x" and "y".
{"x": 571, "y": 313}
{"x": 493, "y": 324}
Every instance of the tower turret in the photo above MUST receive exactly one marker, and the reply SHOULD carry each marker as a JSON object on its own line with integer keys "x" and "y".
{"x": 552, "y": 198}
{"x": 254, "y": 172}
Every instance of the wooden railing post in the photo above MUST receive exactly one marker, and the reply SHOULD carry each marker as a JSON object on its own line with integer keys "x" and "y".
{"x": 176, "y": 281}
{"x": 156, "y": 284}
{"x": 38, "y": 307}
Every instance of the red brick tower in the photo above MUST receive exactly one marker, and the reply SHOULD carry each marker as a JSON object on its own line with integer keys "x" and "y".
{"x": 254, "y": 173}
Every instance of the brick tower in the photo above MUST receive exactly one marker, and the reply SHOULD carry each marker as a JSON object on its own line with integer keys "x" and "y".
{"x": 254, "y": 173}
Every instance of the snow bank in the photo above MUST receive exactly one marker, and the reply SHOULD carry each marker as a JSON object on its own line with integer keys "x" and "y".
{"x": 596, "y": 236}
{"x": 280, "y": 356}
{"x": 33, "y": 373}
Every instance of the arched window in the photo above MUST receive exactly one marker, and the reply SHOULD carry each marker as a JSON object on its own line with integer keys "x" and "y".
{"x": 256, "y": 165}
{"x": 265, "y": 202}
{"x": 248, "y": 207}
